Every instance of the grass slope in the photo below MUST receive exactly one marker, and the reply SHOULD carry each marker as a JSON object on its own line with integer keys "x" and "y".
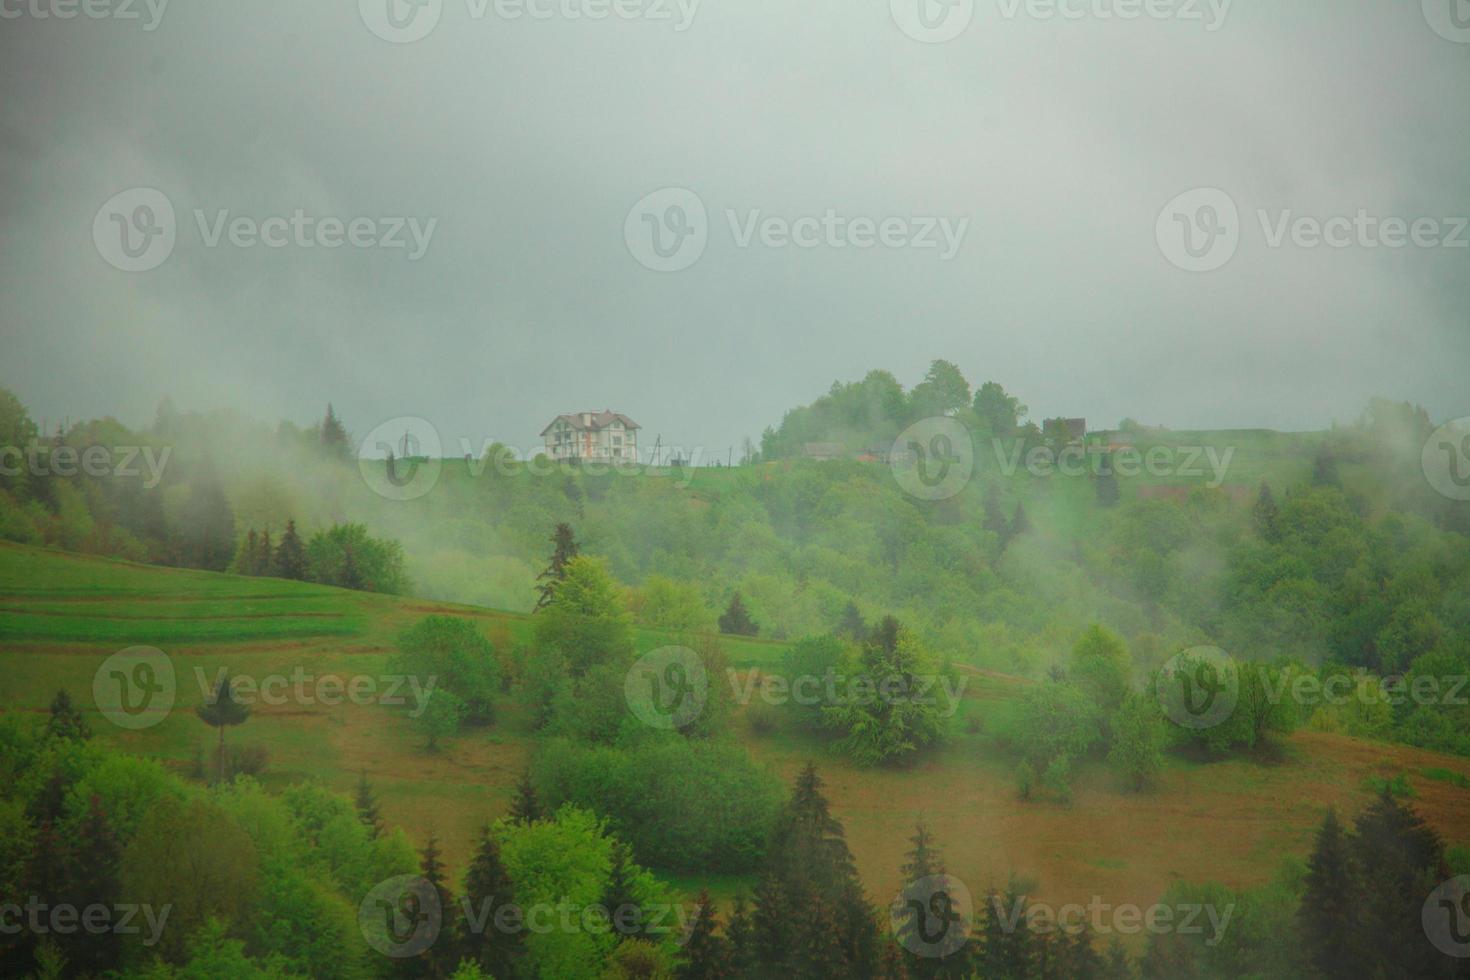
{"x": 62, "y": 614}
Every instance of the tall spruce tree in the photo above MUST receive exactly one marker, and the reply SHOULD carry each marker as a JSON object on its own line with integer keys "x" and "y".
{"x": 740, "y": 934}
{"x": 933, "y": 947}
{"x": 440, "y": 959}
{"x": 264, "y": 556}
{"x": 564, "y": 549}
{"x": 1266, "y": 515}
{"x": 736, "y": 619}
{"x": 619, "y": 895}
{"x": 1331, "y": 912}
{"x": 367, "y": 806}
{"x": 525, "y": 809}
{"x": 809, "y": 896}
{"x": 706, "y": 954}
{"x": 334, "y": 436}
{"x": 487, "y": 890}
{"x": 290, "y": 557}
{"x": 223, "y": 710}
{"x": 65, "y": 721}
{"x": 92, "y": 878}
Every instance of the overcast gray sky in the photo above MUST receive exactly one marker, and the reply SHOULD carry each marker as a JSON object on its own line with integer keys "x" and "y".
{"x": 528, "y": 141}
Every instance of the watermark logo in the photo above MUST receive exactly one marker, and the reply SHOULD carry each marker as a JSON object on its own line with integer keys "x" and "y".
{"x": 135, "y": 688}
{"x": 90, "y": 9}
{"x": 1446, "y": 917}
{"x": 301, "y": 688}
{"x": 1198, "y": 687}
{"x": 135, "y": 229}
{"x": 932, "y": 916}
{"x": 1199, "y": 230}
{"x": 401, "y": 917}
{"x": 1446, "y": 459}
{"x": 401, "y": 21}
{"x": 41, "y": 918}
{"x": 1450, "y": 19}
{"x": 667, "y": 688}
{"x": 933, "y": 459}
{"x": 667, "y": 231}
{"x": 401, "y": 459}
{"x": 932, "y": 21}
{"x": 96, "y": 461}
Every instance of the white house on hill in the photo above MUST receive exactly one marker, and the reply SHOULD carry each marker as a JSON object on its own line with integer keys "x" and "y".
{"x": 604, "y": 435}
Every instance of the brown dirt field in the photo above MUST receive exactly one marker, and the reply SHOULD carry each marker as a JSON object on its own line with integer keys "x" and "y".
{"x": 1231, "y": 822}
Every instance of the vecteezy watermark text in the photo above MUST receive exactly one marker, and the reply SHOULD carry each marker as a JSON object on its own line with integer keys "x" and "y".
{"x": 669, "y": 229}
{"x": 41, "y": 918}
{"x": 37, "y": 459}
{"x": 136, "y": 230}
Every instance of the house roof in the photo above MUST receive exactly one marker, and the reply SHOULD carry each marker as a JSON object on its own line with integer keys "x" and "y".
{"x": 592, "y": 421}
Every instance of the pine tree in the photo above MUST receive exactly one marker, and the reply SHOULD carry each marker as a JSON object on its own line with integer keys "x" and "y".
{"x": 736, "y": 619}
{"x": 66, "y": 722}
{"x": 1008, "y": 948}
{"x": 264, "y": 557}
{"x": 809, "y": 895}
{"x": 439, "y": 959}
{"x": 706, "y": 954}
{"x": 92, "y": 878}
{"x": 1401, "y": 859}
{"x": 488, "y": 889}
{"x": 334, "y": 436}
{"x": 565, "y": 548}
{"x": 290, "y": 557}
{"x": 367, "y": 807}
{"x": 222, "y": 711}
{"x": 525, "y": 809}
{"x": 1266, "y": 514}
{"x": 1331, "y": 911}
{"x": 248, "y": 554}
{"x": 740, "y": 935}
{"x": 934, "y": 948}
{"x": 619, "y": 896}
{"x": 1117, "y": 966}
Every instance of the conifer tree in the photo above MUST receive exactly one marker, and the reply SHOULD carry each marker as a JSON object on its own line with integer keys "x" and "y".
{"x": 740, "y": 935}
{"x": 367, "y": 807}
{"x": 619, "y": 896}
{"x": 222, "y": 711}
{"x": 66, "y": 722}
{"x": 290, "y": 557}
{"x": 1266, "y": 515}
{"x": 92, "y": 879}
{"x": 264, "y": 558}
{"x": 706, "y": 954}
{"x": 487, "y": 890}
{"x": 934, "y": 948}
{"x": 1331, "y": 906}
{"x": 334, "y": 436}
{"x": 525, "y": 808}
{"x": 1007, "y": 948}
{"x": 736, "y": 619}
{"x": 564, "y": 545}
{"x": 440, "y": 958}
{"x": 809, "y": 895}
